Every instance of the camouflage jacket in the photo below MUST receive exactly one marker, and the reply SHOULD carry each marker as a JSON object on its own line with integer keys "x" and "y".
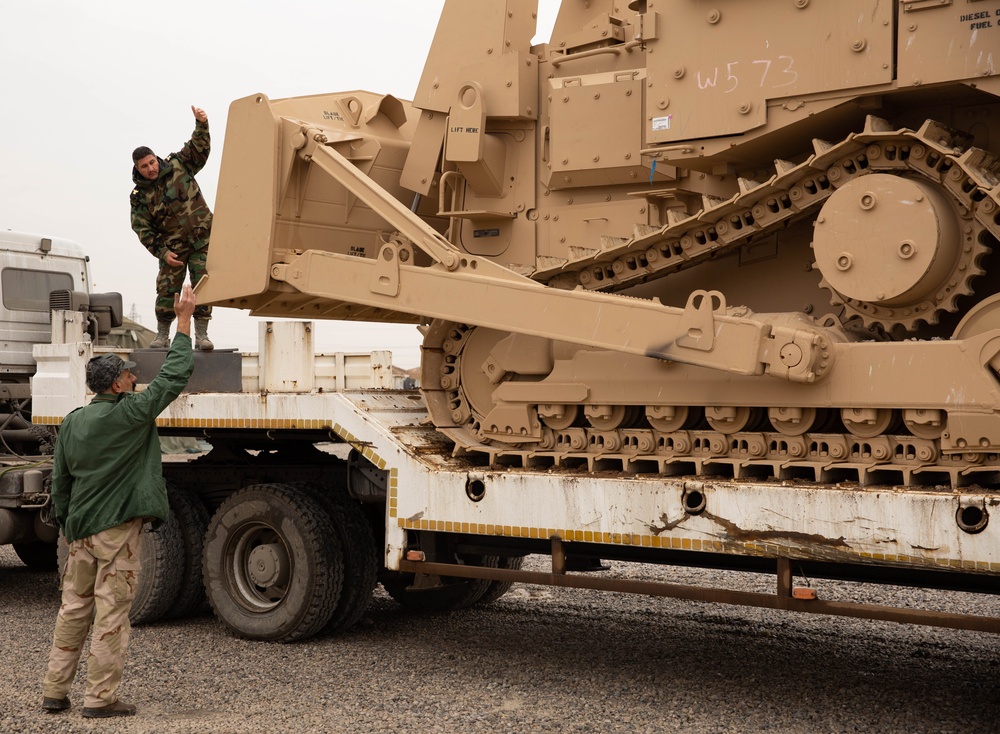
{"x": 171, "y": 210}
{"x": 106, "y": 469}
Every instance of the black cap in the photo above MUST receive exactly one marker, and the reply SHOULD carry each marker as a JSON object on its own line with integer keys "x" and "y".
{"x": 104, "y": 369}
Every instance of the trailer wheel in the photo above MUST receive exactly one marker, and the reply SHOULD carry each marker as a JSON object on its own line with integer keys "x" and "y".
{"x": 161, "y": 552}
{"x": 499, "y": 588}
{"x": 272, "y": 564}
{"x": 192, "y": 521}
{"x": 361, "y": 555}
{"x": 37, "y": 556}
{"x": 361, "y": 564}
{"x": 449, "y": 594}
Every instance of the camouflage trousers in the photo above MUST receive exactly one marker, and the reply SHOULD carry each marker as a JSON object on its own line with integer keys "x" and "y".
{"x": 98, "y": 586}
{"x": 170, "y": 279}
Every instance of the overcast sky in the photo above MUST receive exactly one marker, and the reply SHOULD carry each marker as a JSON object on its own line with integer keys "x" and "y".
{"x": 82, "y": 83}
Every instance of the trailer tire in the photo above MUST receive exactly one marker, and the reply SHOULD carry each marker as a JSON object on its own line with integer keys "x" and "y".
{"x": 291, "y": 590}
{"x": 499, "y": 588}
{"x": 161, "y": 552}
{"x": 454, "y": 593}
{"x": 37, "y": 556}
{"x": 361, "y": 555}
{"x": 192, "y": 521}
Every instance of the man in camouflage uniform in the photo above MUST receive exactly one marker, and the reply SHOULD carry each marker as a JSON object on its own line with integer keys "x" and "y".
{"x": 173, "y": 222}
{"x": 107, "y": 480}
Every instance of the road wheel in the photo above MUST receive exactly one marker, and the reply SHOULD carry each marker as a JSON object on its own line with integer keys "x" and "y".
{"x": 442, "y": 593}
{"x": 161, "y": 552}
{"x": 499, "y": 588}
{"x": 272, "y": 563}
{"x": 192, "y": 520}
{"x": 37, "y": 556}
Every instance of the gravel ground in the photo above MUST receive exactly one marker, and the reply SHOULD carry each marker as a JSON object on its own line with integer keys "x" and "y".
{"x": 538, "y": 660}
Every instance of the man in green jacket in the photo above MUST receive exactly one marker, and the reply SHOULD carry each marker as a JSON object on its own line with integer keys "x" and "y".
{"x": 107, "y": 480}
{"x": 173, "y": 221}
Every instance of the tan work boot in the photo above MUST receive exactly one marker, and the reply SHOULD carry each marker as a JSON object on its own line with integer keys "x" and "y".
{"x": 162, "y": 340}
{"x": 201, "y": 340}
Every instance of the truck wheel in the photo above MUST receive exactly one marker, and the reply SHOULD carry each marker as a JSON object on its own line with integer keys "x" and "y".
{"x": 37, "y": 556}
{"x": 162, "y": 554}
{"x": 499, "y": 588}
{"x": 192, "y": 520}
{"x": 361, "y": 555}
{"x": 272, "y": 564}
{"x": 361, "y": 564}
{"x": 452, "y": 593}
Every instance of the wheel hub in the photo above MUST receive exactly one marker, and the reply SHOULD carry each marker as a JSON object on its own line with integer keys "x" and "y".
{"x": 267, "y": 565}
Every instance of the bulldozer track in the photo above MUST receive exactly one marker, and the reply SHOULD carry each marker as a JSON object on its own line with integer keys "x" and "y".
{"x": 934, "y": 153}
{"x": 814, "y": 457}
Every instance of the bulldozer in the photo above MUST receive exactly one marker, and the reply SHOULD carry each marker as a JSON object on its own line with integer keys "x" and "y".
{"x": 750, "y": 239}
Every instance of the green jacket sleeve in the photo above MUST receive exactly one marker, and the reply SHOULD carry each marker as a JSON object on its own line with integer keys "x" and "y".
{"x": 195, "y": 152}
{"x": 143, "y": 407}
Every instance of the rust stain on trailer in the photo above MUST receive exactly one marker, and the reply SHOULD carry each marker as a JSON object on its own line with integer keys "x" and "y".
{"x": 735, "y": 532}
{"x": 668, "y": 524}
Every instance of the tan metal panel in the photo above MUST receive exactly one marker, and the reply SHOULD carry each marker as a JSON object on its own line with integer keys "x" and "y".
{"x": 590, "y": 221}
{"x": 596, "y": 134}
{"x": 944, "y": 41}
{"x": 502, "y": 27}
{"x": 715, "y": 65}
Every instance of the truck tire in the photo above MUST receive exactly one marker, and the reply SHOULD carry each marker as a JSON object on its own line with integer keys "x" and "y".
{"x": 453, "y": 593}
{"x": 499, "y": 588}
{"x": 272, "y": 564}
{"x": 162, "y": 554}
{"x": 192, "y": 520}
{"x": 160, "y": 577}
{"x": 361, "y": 555}
{"x": 37, "y": 556}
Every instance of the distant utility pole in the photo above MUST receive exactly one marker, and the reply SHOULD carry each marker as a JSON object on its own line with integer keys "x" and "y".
{"x": 134, "y": 314}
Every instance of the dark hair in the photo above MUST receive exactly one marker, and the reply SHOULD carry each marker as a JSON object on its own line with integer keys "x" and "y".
{"x": 141, "y": 152}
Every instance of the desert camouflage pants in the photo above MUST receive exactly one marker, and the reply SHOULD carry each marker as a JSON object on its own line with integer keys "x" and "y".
{"x": 98, "y": 586}
{"x": 170, "y": 279}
